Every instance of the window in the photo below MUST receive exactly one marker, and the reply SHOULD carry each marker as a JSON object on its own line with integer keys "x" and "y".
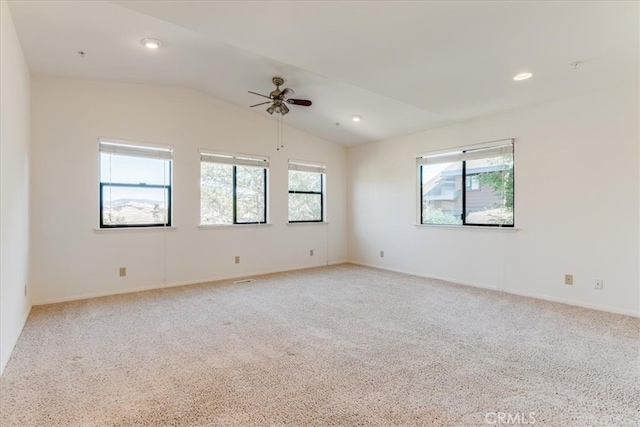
{"x": 473, "y": 182}
{"x": 135, "y": 184}
{"x": 233, "y": 189}
{"x": 485, "y": 199}
{"x": 306, "y": 192}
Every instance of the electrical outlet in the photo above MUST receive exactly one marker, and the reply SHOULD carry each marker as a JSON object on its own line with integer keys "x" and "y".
{"x": 311, "y": 252}
{"x": 237, "y": 260}
{"x": 598, "y": 284}
{"x": 568, "y": 279}
{"x": 381, "y": 254}
{"x": 123, "y": 271}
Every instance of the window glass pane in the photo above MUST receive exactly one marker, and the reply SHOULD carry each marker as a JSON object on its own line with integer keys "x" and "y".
{"x": 473, "y": 183}
{"x": 305, "y": 181}
{"x": 216, "y": 193}
{"x": 493, "y": 202}
{"x": 134, "y": 170}
{"x": 442, "y": 193}
{"x": 250, "y": 186}
{"x": 134, "y": 205}
{"x": 305, "y": 207}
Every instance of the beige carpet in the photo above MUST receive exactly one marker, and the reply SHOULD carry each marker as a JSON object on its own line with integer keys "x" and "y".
{"x": 332, "y": 346}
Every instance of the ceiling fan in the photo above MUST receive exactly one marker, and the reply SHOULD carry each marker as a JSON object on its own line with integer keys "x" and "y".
{"x": 278, "y": 98}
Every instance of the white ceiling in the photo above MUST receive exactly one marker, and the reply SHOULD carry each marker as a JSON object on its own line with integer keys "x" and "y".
{"x": 402, "y": 66}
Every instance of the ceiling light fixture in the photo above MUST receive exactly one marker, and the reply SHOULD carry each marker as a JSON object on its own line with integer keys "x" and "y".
{"x": 151, "y": 43}
{"x": 278, "y": 107}
{"x": 522, "y": 76}
{"x": 356, "y": 118}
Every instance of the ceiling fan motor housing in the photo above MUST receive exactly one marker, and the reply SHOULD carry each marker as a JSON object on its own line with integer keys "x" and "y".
{"x": 276, "y": 94}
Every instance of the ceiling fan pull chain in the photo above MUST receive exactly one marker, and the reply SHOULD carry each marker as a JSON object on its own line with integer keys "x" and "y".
{"x": 281, "y": 133}
{"x": 278, "y": 100}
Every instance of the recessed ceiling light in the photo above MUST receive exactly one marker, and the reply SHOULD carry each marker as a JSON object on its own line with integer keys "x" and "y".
{"x": 151, "y": 43}
{"x": 356, "y": 118}
{"x": 522, "y": 76}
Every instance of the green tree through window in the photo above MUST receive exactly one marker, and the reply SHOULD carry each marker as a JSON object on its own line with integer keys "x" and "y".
{"x": 306, "y": 193}
{"x": 232, "y": 193}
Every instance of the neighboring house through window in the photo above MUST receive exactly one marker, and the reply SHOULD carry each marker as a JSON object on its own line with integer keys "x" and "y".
{"x": 233, "y": 188}
{"x": 135, "y": 184}
{"x": 486, "y": 198}
{"x": 306, "y": 192}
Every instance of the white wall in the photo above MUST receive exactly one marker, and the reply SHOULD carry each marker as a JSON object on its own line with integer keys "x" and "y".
{"x": 577, "y": 205}
{"x": 71, "y": 260}
{"x": 14, "y": 186}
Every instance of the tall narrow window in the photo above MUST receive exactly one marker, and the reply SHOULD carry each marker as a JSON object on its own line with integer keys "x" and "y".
{"x": 233, "y": 189}
{"x": 135, "y": 184}
{"x": 306, "y": 192}
{"x": 468, "y": 187}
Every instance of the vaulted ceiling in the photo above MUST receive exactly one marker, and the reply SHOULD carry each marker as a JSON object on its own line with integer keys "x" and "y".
{"x": 401, "y": 66}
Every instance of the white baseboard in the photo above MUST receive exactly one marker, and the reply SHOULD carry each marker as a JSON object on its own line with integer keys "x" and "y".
{"x": 445, "y": 279}
{"x": 165, "y": 285}
{"x": 599, "y": 307}
{"x": 582, "y": 304}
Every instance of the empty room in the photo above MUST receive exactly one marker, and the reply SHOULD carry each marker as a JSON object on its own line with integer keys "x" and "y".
{"x": 320, "y": 213}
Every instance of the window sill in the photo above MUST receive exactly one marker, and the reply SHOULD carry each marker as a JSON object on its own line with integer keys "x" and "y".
{"x": 132, "y": 229}
{"x": 307, "y": 223}
{"x": 218, "y": 226}
{"x": 468, "y": 227}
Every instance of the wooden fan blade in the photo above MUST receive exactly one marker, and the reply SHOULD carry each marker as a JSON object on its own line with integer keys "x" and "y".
{"x": 303, "y": 102}
{"x": 287, "y": 93}
{"x": 259, "y": 94}
{"x": 262, "y": 103}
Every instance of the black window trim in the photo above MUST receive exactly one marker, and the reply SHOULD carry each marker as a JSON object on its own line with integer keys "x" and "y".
{"x": 234, "y": 160}
{"x": 125, "y": 149}
{"x": 321, "y": 193}
{"x": 140, "y": 185}
{"x": 464, "y": 197}
{"x": 235, "y": 199}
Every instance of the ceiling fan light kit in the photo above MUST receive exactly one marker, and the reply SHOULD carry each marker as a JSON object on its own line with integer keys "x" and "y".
{"x": 279, "y": 97}
{"x": 278, "y": 107}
